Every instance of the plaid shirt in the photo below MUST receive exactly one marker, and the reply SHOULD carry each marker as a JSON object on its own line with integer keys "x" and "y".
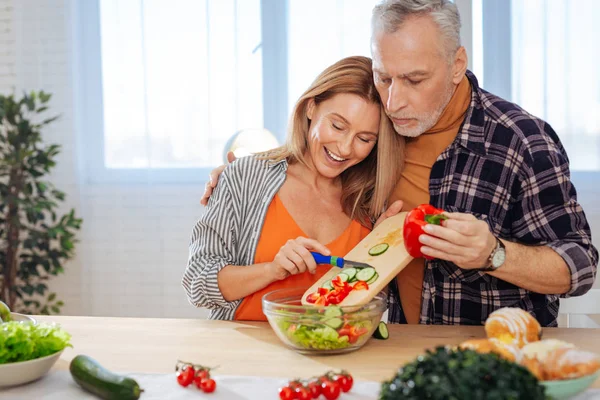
{"x": 508, "y": 168}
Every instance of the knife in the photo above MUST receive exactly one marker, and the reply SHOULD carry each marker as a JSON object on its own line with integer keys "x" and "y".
{"x": 337, "y": 261}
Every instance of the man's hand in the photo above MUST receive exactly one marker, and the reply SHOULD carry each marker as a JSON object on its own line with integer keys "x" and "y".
{"x": 461, "y": 239}
{"x": 392, "y": 210}
{"x": 213, "y": 178}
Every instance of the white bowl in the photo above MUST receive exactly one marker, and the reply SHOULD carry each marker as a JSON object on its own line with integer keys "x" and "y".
{"x": 18, "y": 373}
{"x": 22, "y": 318}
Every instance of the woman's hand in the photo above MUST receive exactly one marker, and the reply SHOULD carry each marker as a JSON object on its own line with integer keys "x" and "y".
{"x": 392, "y": 210}
{"x": 294, "y": 258}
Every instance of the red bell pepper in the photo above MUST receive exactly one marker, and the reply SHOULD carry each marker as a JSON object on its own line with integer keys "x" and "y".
{"x": 413, "y": 227}
{"x": 313, "y": 297}
{"x": 361, "y": 286}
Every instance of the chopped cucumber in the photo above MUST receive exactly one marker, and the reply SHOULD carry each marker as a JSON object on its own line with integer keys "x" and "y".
{"x": 333, "y": 311}
{"x": 343, "y": 277}
{"x": 378, "y": 249}
{"x": 351, "y": 272}
{"x": 366, "y": 274}
{"x": 327, "y": 285}
{"x": 373, "y": 279}
{"x": 381, "y": 332}
{"x": 335, "y": 323}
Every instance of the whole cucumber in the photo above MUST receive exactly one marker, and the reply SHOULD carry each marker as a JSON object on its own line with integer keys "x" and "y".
{"x": 96, "y": 379}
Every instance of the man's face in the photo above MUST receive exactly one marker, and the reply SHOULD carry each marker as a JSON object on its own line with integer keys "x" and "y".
{"x": 413, "y": 75}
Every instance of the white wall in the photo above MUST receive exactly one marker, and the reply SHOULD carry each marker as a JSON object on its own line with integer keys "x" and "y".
{"x": 134, "y": 241}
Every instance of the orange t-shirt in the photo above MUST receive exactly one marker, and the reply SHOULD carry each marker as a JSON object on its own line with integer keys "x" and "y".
{"x": 413, "y": 187}
{"x": 278, "y": 228}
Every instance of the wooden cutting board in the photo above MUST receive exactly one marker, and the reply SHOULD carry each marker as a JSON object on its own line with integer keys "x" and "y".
{"x": 387, "y": 264}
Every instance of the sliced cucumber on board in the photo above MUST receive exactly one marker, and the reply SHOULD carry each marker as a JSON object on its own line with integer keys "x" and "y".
{"x": 378, "y": 249}
{"x": 351, "y": 272}
{"x": 327, "y": 285}
{"x": 366, "y": 274}
{"x": 343, "y": 277}
{"x": 373, "y": 279}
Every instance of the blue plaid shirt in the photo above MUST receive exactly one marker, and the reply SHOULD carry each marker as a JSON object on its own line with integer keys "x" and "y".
{"x": 508, "y": 168}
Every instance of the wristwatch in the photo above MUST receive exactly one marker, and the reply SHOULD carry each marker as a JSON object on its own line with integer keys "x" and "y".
{"x": 497, "y": 257}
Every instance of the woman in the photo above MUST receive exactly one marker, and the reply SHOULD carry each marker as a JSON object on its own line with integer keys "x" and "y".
{"x": 325, "y": 185}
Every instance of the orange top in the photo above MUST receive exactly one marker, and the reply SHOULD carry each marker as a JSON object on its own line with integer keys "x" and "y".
{"x": 413, "y": 186}
{"x": 278, "y": 228}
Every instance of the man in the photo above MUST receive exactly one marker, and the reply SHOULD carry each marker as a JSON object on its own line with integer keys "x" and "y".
{"x": 516, "y": 235}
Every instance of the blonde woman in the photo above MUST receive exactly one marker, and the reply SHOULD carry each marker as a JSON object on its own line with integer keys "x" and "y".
{"x": 320, "y": 192}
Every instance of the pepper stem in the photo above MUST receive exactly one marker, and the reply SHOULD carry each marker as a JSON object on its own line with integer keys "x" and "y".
{"x": 435, "y": 219}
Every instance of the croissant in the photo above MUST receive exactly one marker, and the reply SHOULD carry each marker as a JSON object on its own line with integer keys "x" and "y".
{"x": 504, "y": 350}
{"x": 540, "y": 350}
{"x": 569, "y": 363}
{"x": 513, "y": 326}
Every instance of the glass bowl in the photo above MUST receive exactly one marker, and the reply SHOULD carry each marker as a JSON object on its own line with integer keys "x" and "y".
{"x": 317, "y": 329}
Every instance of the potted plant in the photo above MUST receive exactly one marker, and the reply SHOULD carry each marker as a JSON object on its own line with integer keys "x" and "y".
{"x": 35, "y": 241}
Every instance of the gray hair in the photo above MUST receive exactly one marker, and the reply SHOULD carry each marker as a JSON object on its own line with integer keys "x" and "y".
{"x": 389, "y": 15}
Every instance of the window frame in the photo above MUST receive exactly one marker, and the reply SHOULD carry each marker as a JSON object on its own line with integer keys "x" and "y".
{"x": 89, "y": 94}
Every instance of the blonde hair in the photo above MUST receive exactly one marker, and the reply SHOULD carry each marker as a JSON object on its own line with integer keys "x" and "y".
{"x": 367, "y": 185}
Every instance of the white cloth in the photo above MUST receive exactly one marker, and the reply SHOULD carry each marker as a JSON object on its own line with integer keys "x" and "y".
{"x": 58, "y": 385}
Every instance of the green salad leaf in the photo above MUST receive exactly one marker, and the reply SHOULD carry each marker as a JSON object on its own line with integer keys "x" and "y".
{"x": 25, "y": 341}
{"x": 311, "y": 334}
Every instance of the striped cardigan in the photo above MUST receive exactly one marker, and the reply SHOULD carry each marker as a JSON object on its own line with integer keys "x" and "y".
{"x": 228, "y": 231}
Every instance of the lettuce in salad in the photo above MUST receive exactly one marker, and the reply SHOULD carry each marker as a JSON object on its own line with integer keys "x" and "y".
{"x": 317, "y": 336}
{"x": 25, "y": 341}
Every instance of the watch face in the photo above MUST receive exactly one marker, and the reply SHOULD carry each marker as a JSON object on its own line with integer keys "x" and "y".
{"x": 498, "y": 258}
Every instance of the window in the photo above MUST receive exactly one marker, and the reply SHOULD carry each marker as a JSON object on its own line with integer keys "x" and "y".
{"x": 178, "y": 80}
{"x": 322, "y": 32}
{"x": 543, "y": 55}
{"x": 556, "y": 54}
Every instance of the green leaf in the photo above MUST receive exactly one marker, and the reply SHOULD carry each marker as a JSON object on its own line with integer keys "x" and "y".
{"x": 28, "y": 289}
{"x": 41, "y": 288}
{"x": 44, "y": 97}
{"x": 22, "y": 342}
{"x": 52, "y": 296}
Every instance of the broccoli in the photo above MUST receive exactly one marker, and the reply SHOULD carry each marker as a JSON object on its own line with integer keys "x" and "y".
{"x": 454, "y": 374}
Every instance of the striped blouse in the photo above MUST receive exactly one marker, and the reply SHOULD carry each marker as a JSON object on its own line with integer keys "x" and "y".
{"x": 228, "y": 231}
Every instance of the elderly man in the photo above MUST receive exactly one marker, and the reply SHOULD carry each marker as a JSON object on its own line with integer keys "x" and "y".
{"x": 516, "y": 235}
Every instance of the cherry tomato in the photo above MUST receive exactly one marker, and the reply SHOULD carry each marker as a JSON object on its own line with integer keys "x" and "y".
{"x": 286, "y": 393}
{"x": 350, "y": 383}
{"x": 344, "y": 382}
{"x": 331, "y": 390}
{"x": 203, "y": 374}
{"x": 315, "y": 389}
{"x": 302, "y": 394}
{"x": 208, "y": 385}
{"x": 185, "y": 376}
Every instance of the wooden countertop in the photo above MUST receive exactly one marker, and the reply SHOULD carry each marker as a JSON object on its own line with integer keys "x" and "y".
{"x": 154, "y": 345}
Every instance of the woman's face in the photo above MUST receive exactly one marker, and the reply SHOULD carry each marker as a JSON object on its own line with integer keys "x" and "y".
{"x": 342, "y": 132}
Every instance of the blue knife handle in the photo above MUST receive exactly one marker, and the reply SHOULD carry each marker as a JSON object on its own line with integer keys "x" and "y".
{"x": 331, "y": 260}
